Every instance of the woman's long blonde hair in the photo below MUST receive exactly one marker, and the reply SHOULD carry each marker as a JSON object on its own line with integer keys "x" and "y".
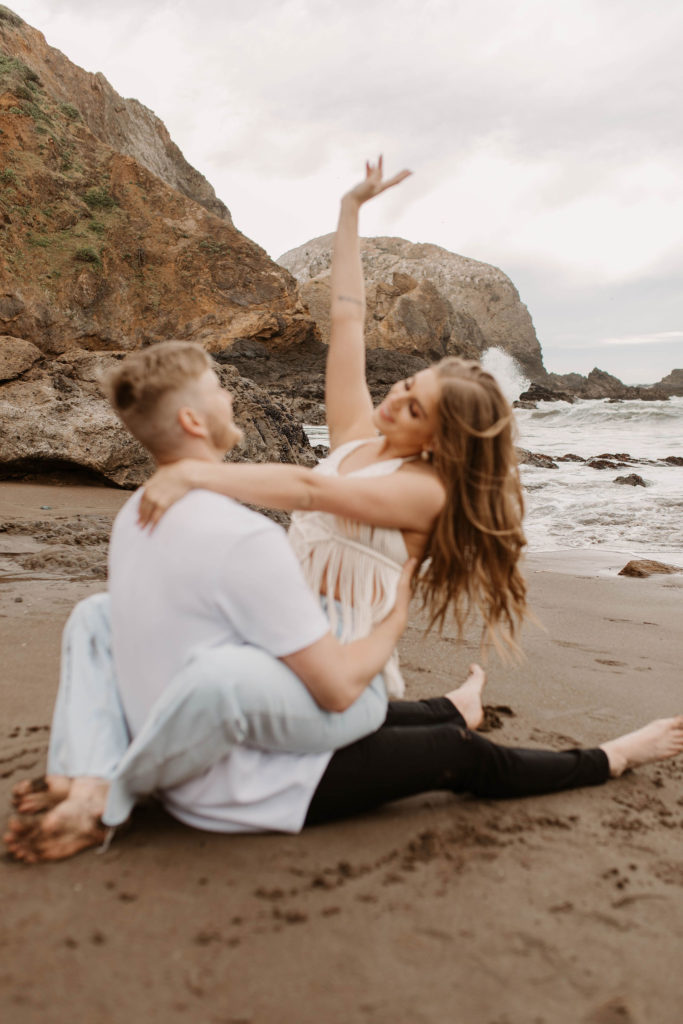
{"x": 474, "y": 549}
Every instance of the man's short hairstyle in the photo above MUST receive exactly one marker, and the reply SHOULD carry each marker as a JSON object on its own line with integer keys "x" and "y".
{"x": 137, "y": 387}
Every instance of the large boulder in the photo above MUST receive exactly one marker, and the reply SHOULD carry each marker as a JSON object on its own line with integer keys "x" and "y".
{"x": 424, "y": 300}
{"x": 16, "y": 356}
{"x": 55, "y": 418}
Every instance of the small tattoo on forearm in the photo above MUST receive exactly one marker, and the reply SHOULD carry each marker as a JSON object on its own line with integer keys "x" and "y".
{"x": 348, "y": 298}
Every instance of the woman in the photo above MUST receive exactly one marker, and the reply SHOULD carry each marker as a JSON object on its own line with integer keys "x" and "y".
{"x": 431, "y": 473}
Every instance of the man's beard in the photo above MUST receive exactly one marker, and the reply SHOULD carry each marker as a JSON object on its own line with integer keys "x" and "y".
{"x": 224, "y": 435}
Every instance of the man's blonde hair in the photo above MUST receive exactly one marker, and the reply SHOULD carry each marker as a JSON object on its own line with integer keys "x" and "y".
{"x": 137, "y": 388}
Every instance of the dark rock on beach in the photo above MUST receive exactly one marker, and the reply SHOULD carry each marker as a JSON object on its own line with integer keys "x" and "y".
{"x": 641, "y": 567}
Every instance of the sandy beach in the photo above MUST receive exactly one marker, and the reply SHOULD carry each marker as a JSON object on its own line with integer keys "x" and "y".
{"x": 556, "y": 910}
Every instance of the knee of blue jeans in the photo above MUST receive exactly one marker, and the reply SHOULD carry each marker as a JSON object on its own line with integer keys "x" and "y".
{"x": 376, "y": 703}
{"x": 92, "y": 613}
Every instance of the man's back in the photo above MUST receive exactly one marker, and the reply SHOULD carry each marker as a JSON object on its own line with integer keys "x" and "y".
{"x": 212, "y": 572}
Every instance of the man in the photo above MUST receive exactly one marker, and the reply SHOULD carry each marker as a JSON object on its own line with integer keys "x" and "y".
{"x": 213, "y": 631}
{"x": 214, "y": 596}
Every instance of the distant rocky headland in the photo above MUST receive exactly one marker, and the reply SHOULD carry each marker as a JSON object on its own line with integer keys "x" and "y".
{"x": 110, "y": 240}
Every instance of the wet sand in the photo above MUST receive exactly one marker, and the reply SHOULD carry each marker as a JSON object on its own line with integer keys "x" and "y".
{"x": 555, "y": 910}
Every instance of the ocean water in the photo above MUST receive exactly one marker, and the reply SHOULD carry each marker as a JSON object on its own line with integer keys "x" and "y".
{"x": 576, "y": 506}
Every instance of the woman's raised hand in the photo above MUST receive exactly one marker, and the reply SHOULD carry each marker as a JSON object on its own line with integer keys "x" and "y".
{"x": 374, "y": 182}
{"x": 168, "y": 485}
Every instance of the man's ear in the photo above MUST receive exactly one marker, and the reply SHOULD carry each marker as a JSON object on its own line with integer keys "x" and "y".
{"x": 192, "y": 422}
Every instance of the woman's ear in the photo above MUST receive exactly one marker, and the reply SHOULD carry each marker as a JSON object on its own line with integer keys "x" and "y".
{"x": 191, "y": 422}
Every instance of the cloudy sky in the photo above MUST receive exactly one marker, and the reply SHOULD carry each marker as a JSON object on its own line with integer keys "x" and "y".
{"x": 545, "y": 137}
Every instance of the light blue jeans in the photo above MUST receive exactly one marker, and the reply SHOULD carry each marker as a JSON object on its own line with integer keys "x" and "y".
{"x": 223, "y": 697}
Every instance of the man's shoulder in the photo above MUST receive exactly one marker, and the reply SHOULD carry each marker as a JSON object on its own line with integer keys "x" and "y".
{"x": 223, "y": 514}
{"x": 201, "y": 513}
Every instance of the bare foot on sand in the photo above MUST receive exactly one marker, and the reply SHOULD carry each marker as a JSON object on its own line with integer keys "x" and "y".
{"x": 657, "y": 741}
{"x": 31, "y": 796}
{"x": 71, "y": 826}
{"x": 467, "y": 698}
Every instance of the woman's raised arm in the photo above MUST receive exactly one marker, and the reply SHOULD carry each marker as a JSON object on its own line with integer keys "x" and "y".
{"x": 347, "y": 399}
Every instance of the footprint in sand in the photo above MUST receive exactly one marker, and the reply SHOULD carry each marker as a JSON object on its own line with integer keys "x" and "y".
{"x": 613, "y": 1012}
{"x": 493, "y": 716}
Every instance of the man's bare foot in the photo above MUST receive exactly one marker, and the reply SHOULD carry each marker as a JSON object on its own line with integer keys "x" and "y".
{"x": 467, "y": 698}
{"x": 657, "y": 741}
{"x": 71, "y": 826}
{"x": 31, "y": 796}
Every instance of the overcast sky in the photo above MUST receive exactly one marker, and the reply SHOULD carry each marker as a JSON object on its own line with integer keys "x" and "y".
{"x": 545, "y": 137}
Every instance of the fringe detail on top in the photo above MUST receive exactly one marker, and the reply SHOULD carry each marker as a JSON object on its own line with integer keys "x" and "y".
{"x": 358, "y": 563}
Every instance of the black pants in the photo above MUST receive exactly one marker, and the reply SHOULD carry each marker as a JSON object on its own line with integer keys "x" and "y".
{"x": 426, "y": 745}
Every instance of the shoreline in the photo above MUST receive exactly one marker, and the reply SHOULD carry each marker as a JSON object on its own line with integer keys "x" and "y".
{"x": 21, "y": 501}
{"x": 563, "y": 908}
{"x": 596, "y": 561}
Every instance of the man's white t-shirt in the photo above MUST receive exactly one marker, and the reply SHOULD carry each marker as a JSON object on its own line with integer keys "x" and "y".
{"x": 213, "y": 572}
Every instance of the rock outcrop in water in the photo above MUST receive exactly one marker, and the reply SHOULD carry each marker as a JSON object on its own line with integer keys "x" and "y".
{"x": 672, "y": 383}
{"x": 600, "y": 384}
{"x": 425, "y": 300}
{"x": 566, "y": 387}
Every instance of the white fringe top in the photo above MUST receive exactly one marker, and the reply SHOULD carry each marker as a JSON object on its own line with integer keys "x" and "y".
{"x": 361, "y": 563}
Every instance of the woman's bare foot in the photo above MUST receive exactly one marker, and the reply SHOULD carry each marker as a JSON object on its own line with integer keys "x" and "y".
{"x": 467, "y": 698}
{"x": 657, "y": 741}
{"x": 31, "y": 796}
{"x": 71, "y": 826}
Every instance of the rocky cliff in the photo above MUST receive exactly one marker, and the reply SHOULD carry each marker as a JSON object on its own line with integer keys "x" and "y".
{"x": 124, "y": 124}
{"x": 98, "y": 255}
{"x": 424, "y": 300}
{"x": 54, "y": 420}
